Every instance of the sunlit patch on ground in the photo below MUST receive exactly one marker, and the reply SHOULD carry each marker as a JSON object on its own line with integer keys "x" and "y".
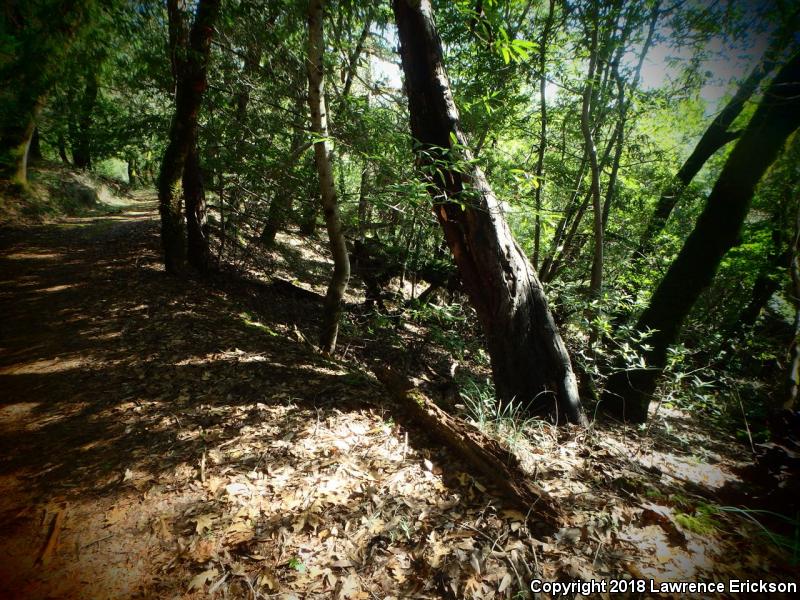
{"x": 171, "y": 442}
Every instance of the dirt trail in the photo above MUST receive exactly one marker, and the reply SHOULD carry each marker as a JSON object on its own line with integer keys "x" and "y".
{"x": 161, "y": 437}
{"x": 116, "y": 381}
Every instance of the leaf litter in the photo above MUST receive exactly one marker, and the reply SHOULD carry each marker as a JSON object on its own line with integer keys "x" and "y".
{"x": 201, "y": 457}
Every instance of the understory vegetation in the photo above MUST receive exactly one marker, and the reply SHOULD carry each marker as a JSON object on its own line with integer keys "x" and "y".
{"x": 535, "y": 261}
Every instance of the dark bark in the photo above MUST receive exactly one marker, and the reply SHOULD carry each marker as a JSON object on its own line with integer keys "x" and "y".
{"x": 530, "y": 364}
{"x": 596, "y": 283}
{"x": 355, "y": 57}
{"x": 322, "y": 157}
{"x": 766, "y": 284}
{"x": 628, "y": 393}
{"x": 281, "y": 205}
{"x": 82, "y": 142}
{"x": 715, "y": 137}
{"x": 308, "y": 220}
{"x": 194, "y": 195}
{"x": 792, "y": 395}
{"x": 35, "y": 152}
{"x": 537, "y": 228}
{"x": 191, "y": 83}
{"x": 363, "y": 202}
{"x": 62, "y": 149}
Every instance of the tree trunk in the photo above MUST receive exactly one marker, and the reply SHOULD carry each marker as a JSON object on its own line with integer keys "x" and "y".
{"x": 715, "y": 137}
{"x": 766, "y": 284}
{"x": 624, "y": 106}
{"x": 628, "y": 393}
{"x": 62, "y": 149}
{"x": 530, "y": 364}
{"x": 35, "y": 152}
{"x": 363, "y": 202}
{"x": 37, "y": 61}
{"x": 82, "y": 146}
{"x": 793, "y": 375}
{"x": 196, "y": 213}
{"x": 596, "y": 283}
{"x": 308, "y": 221}
{"x": 537, "y": 228}
{"x": 330, "y": 208}
{"x": 281, "y": 205}
{"x": 191, "y": 84}
{"x": 17, "y": 153}
{"x": 132, "y": 172}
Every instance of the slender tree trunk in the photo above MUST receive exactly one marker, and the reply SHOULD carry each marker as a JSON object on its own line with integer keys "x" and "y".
{"x": 133, "y": 172}
{"x": 793, "y": 375}
{"x": 196, "y": 212}
{"x": 628, "y": 393}
{"x": 330, "y": 208}
{"x": 281, "y": 204}
{"x": 537, "y": 228}
{"x": 624, "y": 106}
{"x": 35, "y": 152}
{"x": 556, "y": 245}
{"x": 355, "y": 56}
{"x": 188, "y": 96}
{"x": 767, "y": 282}
{"x": 596, "y": 284}
{"x": 308, "y": 221}
{"x": 530, "y": 364}
{"x": 715, "y": 137}
{"x": 82, "y": 148}
{"x": 363, "y": 202}
{"x": 62, "y": 149}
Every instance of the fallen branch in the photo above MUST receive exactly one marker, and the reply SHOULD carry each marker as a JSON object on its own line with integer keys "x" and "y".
{"x": 495, "y": 463}
{"x": 53, "y": 534}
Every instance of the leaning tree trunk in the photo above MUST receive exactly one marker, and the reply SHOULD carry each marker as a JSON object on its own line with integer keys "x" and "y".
{"x": 628, "y": 393}
{"x": 715, "y": 137}
{"x": 191, "y": 83}
{"x": 38, "y": 59}
{"x": 530, "y": 364}
{"x": 330, "y": 208}
{"x": 19, "y": 151}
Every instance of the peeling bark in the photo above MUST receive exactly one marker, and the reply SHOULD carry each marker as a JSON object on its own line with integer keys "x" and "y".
{"x": 530, "y": 363}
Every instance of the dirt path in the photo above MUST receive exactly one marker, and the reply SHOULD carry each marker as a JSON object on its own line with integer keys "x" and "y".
{"x": 163, "y": 438}
{"x": 118, "y": 384}
{"x": 159, "y": 441}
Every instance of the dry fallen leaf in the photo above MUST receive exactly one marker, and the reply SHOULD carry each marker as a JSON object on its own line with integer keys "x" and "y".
{"x": 350, "y": 587}
{"x": 203, "y": 523}
{"x": 200, "y": 580}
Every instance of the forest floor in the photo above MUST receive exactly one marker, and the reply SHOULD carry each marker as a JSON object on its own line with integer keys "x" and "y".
{"x": 167, "y": 437}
